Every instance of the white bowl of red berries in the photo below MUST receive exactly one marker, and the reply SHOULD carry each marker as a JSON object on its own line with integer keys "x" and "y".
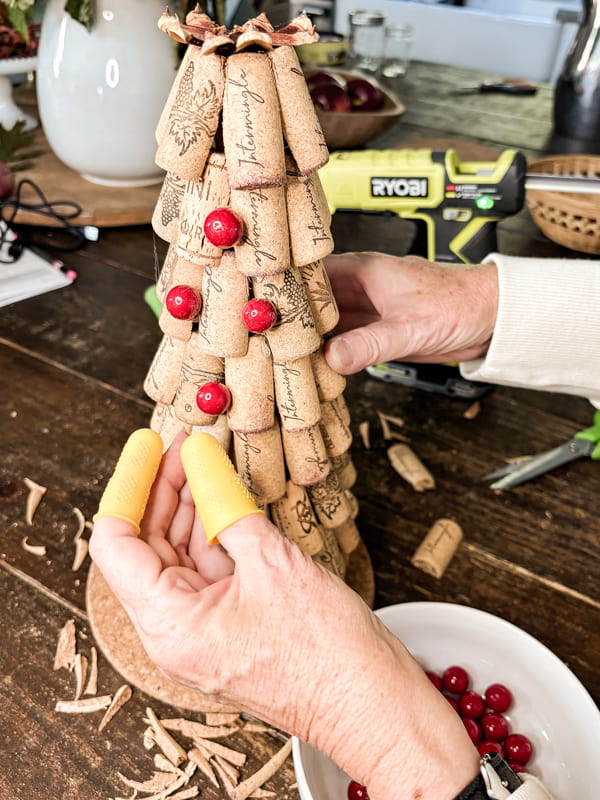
{"x": 512, "y": 693}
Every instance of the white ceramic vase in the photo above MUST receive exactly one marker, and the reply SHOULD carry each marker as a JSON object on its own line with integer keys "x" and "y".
{"x": 100, "y": 93}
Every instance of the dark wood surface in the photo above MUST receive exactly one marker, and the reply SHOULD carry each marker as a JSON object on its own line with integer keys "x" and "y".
{"x": 72, "y": 364}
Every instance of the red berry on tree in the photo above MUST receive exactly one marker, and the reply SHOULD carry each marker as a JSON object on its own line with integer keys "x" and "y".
{"x": 183, "y": 302}
{"x": 494, "y": 726}
{"x": 435, "y": 679}
{"x": 453, "y": 703}
{"x": 356, "y": 791}
{"x": 223, "y": 227}
{"x": 471, "y": 704}
{"x": 516, "y": 767}
{"x": 518, "y": 748}
{"x": 498, "y": 697}
{"x": 213, "y": 398}
{"x": 259, "y": 315}
{"x": 455, "y": 680}
{"x": 489, "y": 746}
{"x": 473, "y": 729}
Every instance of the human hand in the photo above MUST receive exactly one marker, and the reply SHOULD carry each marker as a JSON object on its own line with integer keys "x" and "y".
{"x": 256, "y": 623}
{"x": 409, "y": 309}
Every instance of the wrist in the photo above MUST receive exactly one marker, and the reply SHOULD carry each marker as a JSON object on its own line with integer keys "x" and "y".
{"x": 484, "y": 293}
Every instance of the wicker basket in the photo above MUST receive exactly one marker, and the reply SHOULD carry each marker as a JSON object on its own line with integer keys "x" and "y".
{"x": 572, "y": 220}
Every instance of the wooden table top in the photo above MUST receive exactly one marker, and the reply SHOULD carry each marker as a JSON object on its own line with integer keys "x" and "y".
{"x": 72, "y": 364}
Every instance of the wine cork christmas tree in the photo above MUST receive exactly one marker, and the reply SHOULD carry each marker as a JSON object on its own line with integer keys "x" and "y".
{"x": 246, "y": 299}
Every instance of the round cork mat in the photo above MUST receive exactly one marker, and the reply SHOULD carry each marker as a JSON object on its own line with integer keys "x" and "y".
{"x": 117, "y": 639}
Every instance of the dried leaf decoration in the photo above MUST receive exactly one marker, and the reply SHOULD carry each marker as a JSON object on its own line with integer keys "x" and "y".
{"x": 200, "y": 105}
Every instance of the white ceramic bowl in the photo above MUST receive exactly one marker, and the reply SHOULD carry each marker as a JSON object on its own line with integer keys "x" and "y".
{"x": 550, "y": 706}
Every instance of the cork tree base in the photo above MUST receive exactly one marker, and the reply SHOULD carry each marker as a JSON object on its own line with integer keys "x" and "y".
{"x": 119, "y": 642}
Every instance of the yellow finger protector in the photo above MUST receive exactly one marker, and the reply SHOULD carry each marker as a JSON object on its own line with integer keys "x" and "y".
{"x": 127, "y": 491}
{"x": 220, "y": 495}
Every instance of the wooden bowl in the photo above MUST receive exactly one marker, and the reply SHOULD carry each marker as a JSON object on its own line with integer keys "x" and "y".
{"x": 572, "y": 220}
{"x": 346, "y": 130}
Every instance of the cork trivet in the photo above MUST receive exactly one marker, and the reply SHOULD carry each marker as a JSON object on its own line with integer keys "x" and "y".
{"x": 295, "y": 333}
{"x": 352, "y": 503}
{"x": 252, "y": 134}
{"x": 329, "y": 502}
{"x": 295, "y": 518}
{"x": 336, "y": 434}
{"x": 165, "y": 422}
{"x": 265, "y": 245}
{"x": 163, "y": 283}
{"x": 188, "y": 135}
{"x": 310, "y": 236}
{"x": 436, "y": 550}
{"x": 305, "y": 455}
{"x": 320, "y": 296}
{"x": 116, "y": 637}
{"x": 199, "y": 199}
{"x": 301, "y": 126}
{"x": 410, "y": 467}
{"x": 176, "y": 328}
{"x": 259, "y": 461}
{"x": 166, "y": 211}
{"x": 224, "y": 293}
{"x": 197, "y": 369}
{"x": 296, "y": 394}
{"x": 163, "y": 376}
{"x": 249, "y": 378}
{"x": 347, "y": 536}
{"x": 331, "y": 557}
{"x": 345, "y": 470}
{"x": 168, "y": 106}
{"x": 330, "y": 384}
{"x": 218, "y": 430}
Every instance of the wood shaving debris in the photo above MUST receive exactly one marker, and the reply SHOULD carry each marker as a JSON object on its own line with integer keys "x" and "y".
{"x": 36, "y": 549}
{"x": 232, "y": 773}
{"x": 257, "y": 727}
{"x": 247, "y": 787}
{"x": 228, "y": 784}
{"x": 81, "y": 550}
{"x": 171, "y": 749}
{"x": 203, "y": 764}
{"x": 34, "y": 498}
{"x": 185, "y": 794}
{"x": 86, "y": 706}
{"x": 163, "y": 764}
{"x": 81, "y": 667}
{"x": 410, "y": 467}
{"x": 386, "y": 421}
{"x": 233, "y": 756}
{"x": 364, "y": 430}
{"x": 182, "y": 780}
{"x": 473, "y": 410}
{"x": 80, "y": 523}
{"x": 196, "y": 730}
{"x": 149, "y": 739}
{"x": 122, "y": 695}
{"x": 92, "y": 681}
{"x": 263, "y": 793}
{"x": 157, "y": 783}
{"x": 66, "y": 647}
{"x": 221, "y": 718}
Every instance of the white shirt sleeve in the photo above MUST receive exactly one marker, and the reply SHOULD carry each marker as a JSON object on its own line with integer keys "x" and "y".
{"x": 547, "y": 332}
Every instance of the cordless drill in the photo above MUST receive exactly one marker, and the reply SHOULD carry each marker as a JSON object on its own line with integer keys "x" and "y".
{"x": 455, "y": 205}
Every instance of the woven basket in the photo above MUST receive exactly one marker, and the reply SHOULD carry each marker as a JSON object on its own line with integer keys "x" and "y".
{"x": 572, "y": 220}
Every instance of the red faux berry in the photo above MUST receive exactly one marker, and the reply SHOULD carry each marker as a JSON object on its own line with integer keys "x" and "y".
{"x": 259, "y": 315}
{"x": 455, "y": 680}
{"x": 435, "y": 679}
{"x": 223, "y": 227}
{"x": 516, "y": 767}
{"x": 213, "y": 398}
{"x": 518, "y": 748}
{"x": 183, "y": 302}
{"x": 473, "y": 729}
{"x": 488, "y": 746}
{"x": 356, "y": 791}
{"x": 495, "y": 726}
{"x": 471, "y": 704}
{"x": 498, "y": 697}
{"x": 453, "y": 703}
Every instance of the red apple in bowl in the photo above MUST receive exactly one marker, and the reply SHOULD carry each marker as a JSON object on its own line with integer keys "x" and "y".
{"x": 364, "y": 96}
{"x": 321, "y": 79}
{"x": 330, "y": 97}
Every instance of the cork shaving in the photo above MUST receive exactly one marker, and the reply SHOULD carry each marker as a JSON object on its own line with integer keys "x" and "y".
{"x": 35, "y": 549}
{"x": 203, "y": 764}
{"x": 92, "y": 681}
{"x": 157, "y": 783}
{"x": 388, "y": 424}
{"x": 169, "y": 746}
{"x": 121, "y": 696}
{"x": 365, "y": 434}
{"x": 86, "y": 706}
{"x": 216, "y": 719}
{"x": 66, "y": 647}
{"x": 80, "y": 669}
{"x": 473, "y": 410}
{"x": 196, "y": 730}
{"x": 247, "y": 787}
{"x": 34, "y": 498}
{"x": 228, "y": 784}
{"x": 81, "y": 544}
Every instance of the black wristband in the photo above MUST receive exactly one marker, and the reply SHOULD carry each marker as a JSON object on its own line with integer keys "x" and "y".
{"x": 474, "y": 791}
{"x": 495, "y": 779}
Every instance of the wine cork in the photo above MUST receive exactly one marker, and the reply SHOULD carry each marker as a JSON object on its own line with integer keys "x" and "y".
{"x": 320, "y": 296}
{"x": 330, "y": 502}
{"x": 224, "y": 292}
{"x": 331, "y": 556}
{"x": 252, "y": 135}
{"x": 249, "y": 378}
{"x": 197, "y": 369}
{"x": 410, "y": 467}
{"x": 199, "y": 199}
{"x": 345, "y": 470}
{"x": 175, "y": 328}
{"x": 166, "y": 423}
{"x": 305, "y": 455}
{"x": 301, "y": 126}
{"x": 188, "y": 269}
{"x": 296, "y": 394}
{"x": 162, "y": 378}
{"x": 259, "y": 461}
{"x": 165, "y": 218}
{"x": 330, "y": 384}
{"x": 347, "y": 536}
{"x": 161, "y": 125}
{"x": 342, "y": 409}
{"x": 336, "y": 434}
{"x": 219, "y": 494}
{"x": 187, "y": 136}
{"x": 295, "y": 333}
{"x": 265, "y": 245}
{"x": 219, "y": 430}
{"x": 163, "y": 283}
{"x": 436, "y": 550}
{"x": 295, "y": 518}
{"x": 127, "y": 491}
{"x": 352, "y": 504}
{"x": 310, "y": 237}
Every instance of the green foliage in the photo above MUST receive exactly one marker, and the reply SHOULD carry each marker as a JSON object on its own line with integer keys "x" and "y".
{"x": 18, "y": 19}
{"x": 13, "y": 146}
{"x": 82, "y": 11}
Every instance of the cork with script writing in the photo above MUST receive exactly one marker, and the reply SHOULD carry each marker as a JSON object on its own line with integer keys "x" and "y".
{"x": 246, "y": 301}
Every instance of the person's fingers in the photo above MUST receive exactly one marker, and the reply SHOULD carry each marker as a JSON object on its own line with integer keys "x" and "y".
{"x": 362, "y": 347}
{"x": 167, "y": 493}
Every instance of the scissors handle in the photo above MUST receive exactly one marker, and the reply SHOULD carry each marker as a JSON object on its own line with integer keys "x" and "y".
{"x": 515, "y": 474}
